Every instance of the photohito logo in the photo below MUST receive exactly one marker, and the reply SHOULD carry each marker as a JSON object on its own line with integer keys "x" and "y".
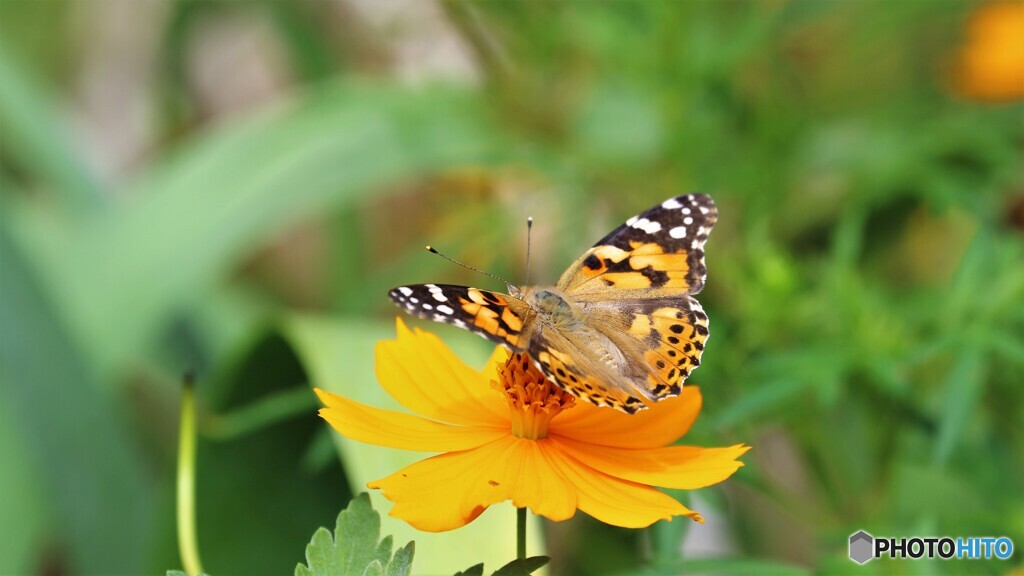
{"x": 864, "y": 547}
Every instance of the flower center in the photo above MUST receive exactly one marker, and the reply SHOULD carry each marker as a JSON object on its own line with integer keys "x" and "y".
{"x": 532, "y": 398}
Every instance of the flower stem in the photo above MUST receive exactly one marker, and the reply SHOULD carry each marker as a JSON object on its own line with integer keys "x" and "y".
{"x": 188, "y": 545}
{"x": 520, "y": 533}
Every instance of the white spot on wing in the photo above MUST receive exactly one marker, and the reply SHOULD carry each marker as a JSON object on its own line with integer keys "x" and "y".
{"x": 687, "y": 220}
{"x": 677, "y": 232}
{"x": 437, "y": 292}
{"x": 427, "y": 306}
{"x": 671, "y": 204}
{"x": 405, "y": 290}
{"x": 445, "y": 308}
{"x": 631, "y": 221}
{"x": 647, "y": 226}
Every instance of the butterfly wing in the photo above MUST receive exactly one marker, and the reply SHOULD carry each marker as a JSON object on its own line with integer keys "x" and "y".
{"x": 662, "y": 337}
{"x": 500, "y": 318}
{"x": 648, "y": 348}
{"x": 570, "y": 363}
{"x": 634, "y": 287}
{"x": 658, "y": 253}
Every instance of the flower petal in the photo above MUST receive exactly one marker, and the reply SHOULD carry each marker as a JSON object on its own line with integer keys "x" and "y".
{"x": 451, "y": 490}
{"x": 616, "y": 501}
{"x": 405, "y": 431}
{"x": 683, "y": 467}
{"x": 659, "y": 425}
{"x": 426, "y": 377}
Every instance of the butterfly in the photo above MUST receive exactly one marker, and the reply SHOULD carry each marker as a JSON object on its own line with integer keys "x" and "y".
{"x": 620, "y": 328}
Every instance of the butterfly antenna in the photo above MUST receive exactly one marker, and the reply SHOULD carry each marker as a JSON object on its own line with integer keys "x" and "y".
{"x": 529, "y": 232}
{"x": 432, "y": 250}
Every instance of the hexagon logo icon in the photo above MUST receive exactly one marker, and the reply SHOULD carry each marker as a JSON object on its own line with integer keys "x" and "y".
{"x": 862, "y": 547}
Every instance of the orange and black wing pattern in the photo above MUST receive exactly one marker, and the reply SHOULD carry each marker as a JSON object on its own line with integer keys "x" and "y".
{"x": 657, "y": 253}
{"x": 500, "y": 318}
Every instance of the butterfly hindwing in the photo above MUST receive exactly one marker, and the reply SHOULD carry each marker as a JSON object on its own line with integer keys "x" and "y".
{"x": 659, "y": 252}
{"x": 499, "y": 318}
{"x": 663, "y": 338}
{"x": 658, "y": 342}
{"x": 561, "y": 361}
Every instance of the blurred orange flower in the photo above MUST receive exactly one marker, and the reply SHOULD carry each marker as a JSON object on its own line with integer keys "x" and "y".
{"x": 991, "y": 63}
{"x": 523, "y": 439}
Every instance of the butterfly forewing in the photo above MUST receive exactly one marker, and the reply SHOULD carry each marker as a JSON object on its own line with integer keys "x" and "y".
{"x": 497, "y": 317}
{"x": 659, "y": 252}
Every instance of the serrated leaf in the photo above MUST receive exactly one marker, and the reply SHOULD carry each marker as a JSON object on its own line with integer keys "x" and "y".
{"x": 523, "y": 567}
{"x": 354, "y": 549}
{"x": 401, "y": 563}
{"x": 477, "y": 570}
{"x": 384, "y": 548}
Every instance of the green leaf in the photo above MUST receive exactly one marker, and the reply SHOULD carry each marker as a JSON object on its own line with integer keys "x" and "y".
{"x": 354, "y": 549}
{"x": 401, "y": 562}
{"x": 477, "y": 570}
{"x": 80, "y": 447}
{"x": 192, "y": 218}
{"x": 25, "y": 510}
{"x": 27, "y": 123}
{"x": 181, "y": 573}
{"x": 523, "y": 567}
{"x": 281, "y": 510}
{"x": 960, "y": 399}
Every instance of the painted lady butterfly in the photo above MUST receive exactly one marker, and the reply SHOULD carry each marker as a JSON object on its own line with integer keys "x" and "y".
{"x": 621, "y": 327}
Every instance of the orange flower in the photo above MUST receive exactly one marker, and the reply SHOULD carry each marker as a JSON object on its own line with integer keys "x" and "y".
{"x": 991, "y": 63}
{"x": 523, "y": 439}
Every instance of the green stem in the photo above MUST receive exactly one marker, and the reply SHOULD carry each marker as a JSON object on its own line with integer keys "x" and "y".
{"x": 188, "y": 545}
{"x": 521, "y": 533}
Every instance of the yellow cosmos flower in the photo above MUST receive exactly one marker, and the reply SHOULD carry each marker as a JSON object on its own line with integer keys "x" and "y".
{"x": 507, "y": 433}
{"x": 991, "y": 62}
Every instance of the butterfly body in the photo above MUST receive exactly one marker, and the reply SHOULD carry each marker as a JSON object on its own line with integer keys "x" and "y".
{"x": 621, "y": 327}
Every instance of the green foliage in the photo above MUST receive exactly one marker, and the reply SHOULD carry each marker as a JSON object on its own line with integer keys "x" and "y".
{"x": 354, "y": 549}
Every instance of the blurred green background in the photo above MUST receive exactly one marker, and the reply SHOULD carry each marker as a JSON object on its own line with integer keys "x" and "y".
{"x": 234, "y": 186}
